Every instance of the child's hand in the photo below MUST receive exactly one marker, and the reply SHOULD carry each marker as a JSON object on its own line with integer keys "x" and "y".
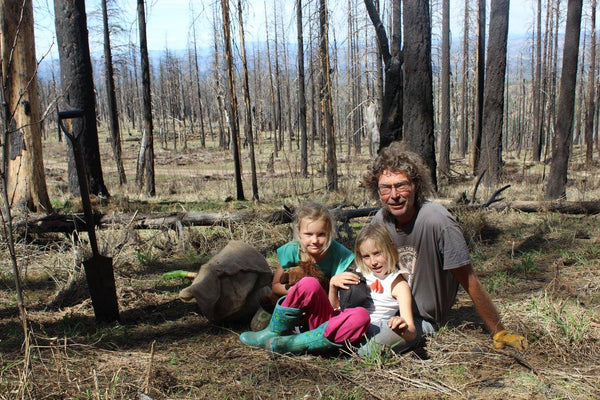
{"x": 343, "y": 279}
{"x": 402, "y": 328}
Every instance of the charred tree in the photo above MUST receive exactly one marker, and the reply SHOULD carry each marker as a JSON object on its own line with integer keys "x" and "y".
{"x": 537, "y": 95}
{"x": 464, "y": 104}
{"x": 301, "y": 93}
{"x": 391, "y": 124}
{"x": 477, "y": 131}
{"x": 146, "y": 175}
{"x": 326, "y": 100}
{"x": 591, "y": 95}
{"x": 248, "y": 106}
{"x": 418, "y": 83}
{"x": 109, "y": 75}
{"x": 198, "y": 89}
{"x": 561, "y": 148}
{"x": 78, "y": 90}
{"x": 444, "y": 164}
{"x": 233, "y": 105}
{"x": 493, "y": 103}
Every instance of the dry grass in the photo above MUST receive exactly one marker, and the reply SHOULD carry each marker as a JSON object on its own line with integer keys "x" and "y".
{"x": 541, "y": 270}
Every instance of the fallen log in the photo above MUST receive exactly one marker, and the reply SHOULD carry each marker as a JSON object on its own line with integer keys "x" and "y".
{"x": 562, "y": 207}
{"x": 69, "y": 223}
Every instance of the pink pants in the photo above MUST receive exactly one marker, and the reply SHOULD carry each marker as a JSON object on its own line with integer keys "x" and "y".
{"x": 308, "y": 295}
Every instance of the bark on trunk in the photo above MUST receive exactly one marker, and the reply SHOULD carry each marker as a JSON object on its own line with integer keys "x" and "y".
{"x": 561, "y": 149}
{"x": 493, "y": 103}
{"x": 23, "y": 162}
{"x": 418, "y": 83}
{"x": 148, "y": 141}
{"x": 78, "y": 89}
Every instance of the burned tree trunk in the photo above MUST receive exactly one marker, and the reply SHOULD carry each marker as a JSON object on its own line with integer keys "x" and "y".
{"x": 233, "y": 111}
{"x": 301, "y": 93}
{"x": 493, "y": 102}
{"x": 418, "y": 83}
{"x": 326, "y": 101}
{"x": 247, "y": 104}
{"x": 561, "y": 149}
{"x": 390, "y": 129}
{"x": 147, "y": 148}
{"x": 115, "y": 132}
{"x": 444, "y": 161}
{"x": 78, "y": 89}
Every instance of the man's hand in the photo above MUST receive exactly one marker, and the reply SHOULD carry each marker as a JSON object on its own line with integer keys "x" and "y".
{"x": 503, "y": 338}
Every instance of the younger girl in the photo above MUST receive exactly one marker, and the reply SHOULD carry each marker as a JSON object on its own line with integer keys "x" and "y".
{"x": 306, "y": 301}
{"x": 377, "y": 259}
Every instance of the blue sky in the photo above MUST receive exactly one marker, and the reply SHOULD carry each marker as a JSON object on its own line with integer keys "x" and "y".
{"x": 169, "y": 21}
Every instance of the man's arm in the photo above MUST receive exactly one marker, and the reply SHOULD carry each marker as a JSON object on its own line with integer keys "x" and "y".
{"x": 483, "y": 304}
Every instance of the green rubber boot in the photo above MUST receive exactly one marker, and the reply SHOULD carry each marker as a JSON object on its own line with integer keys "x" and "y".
{"x": 283, "y": 321}
{"x": 310, "y": 341}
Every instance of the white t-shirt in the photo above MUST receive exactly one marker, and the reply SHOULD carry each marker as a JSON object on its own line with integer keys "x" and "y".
{"x": 383, "y": 306}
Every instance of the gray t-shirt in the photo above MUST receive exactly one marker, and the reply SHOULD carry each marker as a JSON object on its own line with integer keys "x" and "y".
{"x": 429, "y": 247}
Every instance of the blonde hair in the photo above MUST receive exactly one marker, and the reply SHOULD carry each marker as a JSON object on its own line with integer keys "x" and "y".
{"x": 314, "y": 211}
{"x": 380, "y": 235}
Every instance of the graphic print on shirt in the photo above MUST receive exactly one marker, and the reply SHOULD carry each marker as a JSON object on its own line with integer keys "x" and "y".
{"x": 407, "y": 259}
{"x": 376, "y": 286}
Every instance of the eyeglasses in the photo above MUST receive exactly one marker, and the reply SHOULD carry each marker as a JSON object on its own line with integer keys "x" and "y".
{"x": 403, "y": 186}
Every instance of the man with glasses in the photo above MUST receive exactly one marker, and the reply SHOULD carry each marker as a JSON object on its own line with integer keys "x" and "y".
{"x": 430, "y": 243}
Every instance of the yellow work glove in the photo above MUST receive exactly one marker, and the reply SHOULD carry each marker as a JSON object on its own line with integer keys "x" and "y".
{"x": 503, "y": 338}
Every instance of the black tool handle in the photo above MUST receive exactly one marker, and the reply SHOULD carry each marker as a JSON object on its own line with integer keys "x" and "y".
{"x": 81, "y": 174}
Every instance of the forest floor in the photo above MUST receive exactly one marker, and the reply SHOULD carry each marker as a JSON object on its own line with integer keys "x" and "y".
{"x": 541, "y": 270}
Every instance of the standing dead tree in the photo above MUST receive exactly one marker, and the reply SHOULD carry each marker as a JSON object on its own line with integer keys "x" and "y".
{"x": 444, "y": 160}
{"x": 326, "y": 100}
{"x": 21, "y": 134}
{"x": 233, "y": 104}
{"x": 591, "y": 95}
{"x": 418, "y": 83}
{"x": 248, "y": 106}
{"x": 78, "y": 89}
{"x": 493, "y": 102}
{"x": 301, "y": 93}
{"x": 146, "y": 159}
{"x": 115, "y": 132}
{"x": 23, "y": 161}
{"x": 392, "y": 104}
{"x": 561, "y": 149}
{"x": 477, "y": 131}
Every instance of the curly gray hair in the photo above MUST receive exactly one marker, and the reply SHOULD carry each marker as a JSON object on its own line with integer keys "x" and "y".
{"x": 397, "y": 158}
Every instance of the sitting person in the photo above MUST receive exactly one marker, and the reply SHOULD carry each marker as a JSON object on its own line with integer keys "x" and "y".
{"x": 392, "y": 323}
{"x": 430, "y": 243}
{"x": 314, "y": 241}
{"x": 306, "y": 302}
